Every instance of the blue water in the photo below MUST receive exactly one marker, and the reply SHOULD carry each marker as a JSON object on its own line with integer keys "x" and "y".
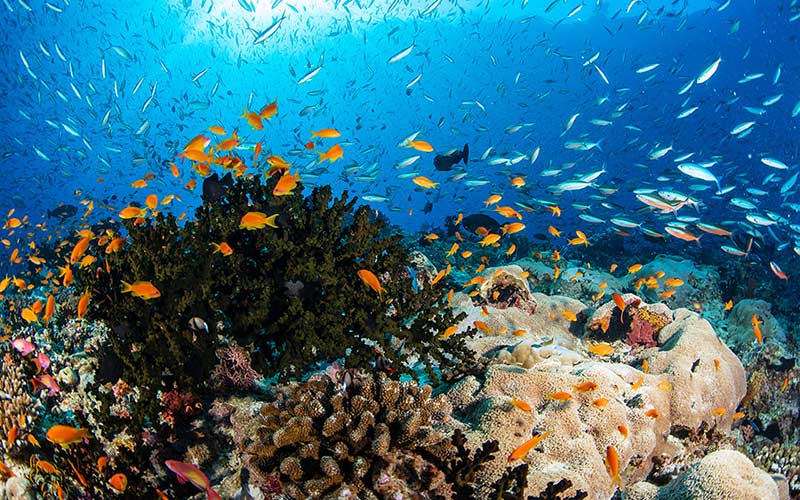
{"x": 486, "y": 68}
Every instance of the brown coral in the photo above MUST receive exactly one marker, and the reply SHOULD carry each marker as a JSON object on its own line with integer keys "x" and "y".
{"x": 376, "y": 436}
{"x": 782, "y": 459}
{"x": 17, "y": 408}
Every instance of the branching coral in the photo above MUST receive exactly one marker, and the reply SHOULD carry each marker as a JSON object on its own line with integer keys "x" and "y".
{"x": 375, "y": 437}
{"x": 783, "y": 459}
{"x": 18, "y": 410}
{"x": 511, "y": 486}
{"x": 327, "y": 313}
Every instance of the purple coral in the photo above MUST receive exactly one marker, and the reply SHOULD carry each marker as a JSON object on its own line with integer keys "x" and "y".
{"x": 234, "y": 369}
{"x": 642, "y": 332}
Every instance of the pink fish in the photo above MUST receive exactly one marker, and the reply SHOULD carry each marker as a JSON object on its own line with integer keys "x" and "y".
{"x": 46, "y": 381}
{"x": 188, "y": 472}
{"x": 42, "y": 362}
{"x": 23, "y": 346}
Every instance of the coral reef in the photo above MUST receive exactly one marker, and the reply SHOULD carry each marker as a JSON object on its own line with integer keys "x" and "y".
{"x": 721, "y": 475}
{"x": 19, "y": 410}
{"x": 606, "y": 403}
{"x": 281, "y": 290}
{"x": 782, "y": 459}
{"x": 374, "y": 437}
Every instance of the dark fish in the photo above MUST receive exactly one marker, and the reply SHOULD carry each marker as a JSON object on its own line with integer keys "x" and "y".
{"x": 63, "y": 211}
{"x": 695, "y": 364}
{"x": 474, "y": 221}
{"x": 214, "y": 188}
{"x": 428, "y": 208}
{"x": 446, "y": 162}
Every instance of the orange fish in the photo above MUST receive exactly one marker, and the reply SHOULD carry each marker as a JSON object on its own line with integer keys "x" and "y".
{"x": 65, "y": 435}
{"x": 78, "y": 474}
{"x": 729, "y": 305}
{"x": 114, "y": 245}
{"x": 257, "y": 220}
{"x": 480, "y": 325}
{"x": 424, "y": 182}
{"x": 369, "y": 279}
{"x": 527, "y": 446}
{"x": 5, "y": 471}
{"x": 587, "y": 386}
{"x": 570, "y": 315}
{"x": 522, "y": 405}
{"x": 560, "y": 396}
{"x": 580, "y": 239}
{"x": 491, "y": 200}
{"x": 222, "y": 248}
{"x": 638, "y": 383}
{"x": 309, "y": 145}
{"x": 12, "y": 436}
{"x": 253, "y": 119}
{"x": 718, "y": 412}
{"x": 612, "y": 463}
{"x": 421, "y": 146}
{"x": 333, "y": 154}
{"x": 83, "y": 304}
{"x": 652, "y": 413}
{"x": 553, "y": 231}
{"x": 601, "y": 349}
{"x": 286, "y": 184}
{"x": 326, "y": 133}
{"x": 268, "y": 111}
{"x": 757, "y": 328}
{"x": 142, "y": 289}
{"x": 80, "y": 248}
{"x": 131, "y": 213}
{"x": 620, "y": 303}
{"x": 449, "y": 331}
{"x": 600, "y": 402}
{"x": 623, "y": 429}
{"x": 101, "y": 463}
{"x": 119, "y": 482}
{"x": 645, "y": 366}
{"x": 47, "y": 467}
{"x": 634, "y": 268}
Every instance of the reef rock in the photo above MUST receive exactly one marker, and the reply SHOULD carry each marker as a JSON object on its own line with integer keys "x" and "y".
{"x": 17, "y": 488}
{"x": 693, "y": 380}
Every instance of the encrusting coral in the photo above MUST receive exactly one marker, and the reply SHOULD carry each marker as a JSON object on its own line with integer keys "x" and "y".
{"x": 373, "y": 436}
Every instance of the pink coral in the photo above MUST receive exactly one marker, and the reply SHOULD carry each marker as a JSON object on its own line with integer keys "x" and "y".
{"x": 642, "y": 333}
{"x": 180, "y": 406}
{"x": 234, "y": 369}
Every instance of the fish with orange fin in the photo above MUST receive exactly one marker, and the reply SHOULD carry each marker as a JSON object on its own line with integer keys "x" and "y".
{"x": 188, "y": 472}
{"x": 66, "y": 435}
{"x": 142, "y": 289}
{"x": 612, "y": 464}
{"x": 286, "y": 184}
{"x": 522, "y": 405}
{"x": 5, "y": 471}
{"x": 757, "y": 328}
{"x": 119, "y": 482}
{"x": 527, "y": 446}
{"x": 620, "y": 303}
{"x": 369, "y": 279}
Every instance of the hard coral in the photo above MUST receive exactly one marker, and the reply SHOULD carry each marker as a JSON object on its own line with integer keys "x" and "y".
{"x": 375, "y": 437}
{"x": 783, "y": 459}
{"x": 17, "y": 408}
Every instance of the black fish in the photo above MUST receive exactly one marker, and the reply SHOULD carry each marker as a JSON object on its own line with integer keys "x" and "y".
{"x": 63, "y": 211}
{"x": 474, "y": 221}
{"x": 446, "y": 162}
{"x": 214, "y": 188}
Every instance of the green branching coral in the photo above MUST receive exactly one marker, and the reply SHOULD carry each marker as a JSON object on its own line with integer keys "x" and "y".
{"x": 377, "y": 438}
{"x": 292, "y": 292}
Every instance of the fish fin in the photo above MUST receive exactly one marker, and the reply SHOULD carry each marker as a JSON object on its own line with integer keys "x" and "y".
{"x": 212, "y": 495}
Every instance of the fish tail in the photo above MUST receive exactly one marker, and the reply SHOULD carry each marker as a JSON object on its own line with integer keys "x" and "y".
{"x": 126, "y": 287}
{"x": 697, "y": 240}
